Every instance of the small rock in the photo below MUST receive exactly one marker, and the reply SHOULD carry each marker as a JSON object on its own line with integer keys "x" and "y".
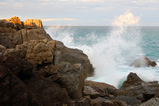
{"x": 88, "y": 91}
{"x": 101, "y": 102}
{"x": 143, "y": 62}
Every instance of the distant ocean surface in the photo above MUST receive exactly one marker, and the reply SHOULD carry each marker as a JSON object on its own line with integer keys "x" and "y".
{"x": 112, "y": 49}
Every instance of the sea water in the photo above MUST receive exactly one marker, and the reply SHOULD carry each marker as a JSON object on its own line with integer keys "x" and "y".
{"x": 111, "y": 49}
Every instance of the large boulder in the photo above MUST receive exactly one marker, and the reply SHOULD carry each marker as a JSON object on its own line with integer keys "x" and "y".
{"x": 40, "y": 51}
{"x": 72, "y": 78}
{"x": 19, "y": 51}
{"x": 143, "y": 91}
{"x": 143, "y": 62}
{"x": 132, "y": 101}
{"x": 32, "y": 91}
{"x": 73, "y": 56}
{"x": 46, "y": 91}
{"x": 6, "y": 31}
{"x": 132, "y": 80}
{"x": 17, "y": 65}
{"x": 102, "y": 88}
{"x": 13, "y": 91}
{"x": 89, "y": 91}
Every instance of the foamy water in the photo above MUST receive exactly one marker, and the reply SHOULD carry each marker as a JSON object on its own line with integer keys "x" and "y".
{"x": 112, "y": 51}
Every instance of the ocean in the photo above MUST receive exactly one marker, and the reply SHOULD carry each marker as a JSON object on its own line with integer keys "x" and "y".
{"x": 112, "y": 49}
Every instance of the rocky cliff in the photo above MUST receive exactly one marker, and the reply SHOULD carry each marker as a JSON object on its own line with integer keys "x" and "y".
{"x": 36, "y": 70}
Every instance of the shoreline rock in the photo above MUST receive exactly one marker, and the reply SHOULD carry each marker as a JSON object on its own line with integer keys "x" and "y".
{"x": 51, "y": 73}
{"x": 37, "y": 70}
{"x": 143, "y": 62}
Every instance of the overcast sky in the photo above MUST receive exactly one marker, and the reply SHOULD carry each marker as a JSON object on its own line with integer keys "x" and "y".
{"x": 81, "y": 12}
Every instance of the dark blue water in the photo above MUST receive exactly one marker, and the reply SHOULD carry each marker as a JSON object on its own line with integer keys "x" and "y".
{"x": 112, "y": 49}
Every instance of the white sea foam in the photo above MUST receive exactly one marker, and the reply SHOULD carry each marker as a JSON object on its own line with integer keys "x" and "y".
{"x": 110, "y": 54}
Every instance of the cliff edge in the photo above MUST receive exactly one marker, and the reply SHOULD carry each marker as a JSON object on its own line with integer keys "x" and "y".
{"x": 37, "y": 70}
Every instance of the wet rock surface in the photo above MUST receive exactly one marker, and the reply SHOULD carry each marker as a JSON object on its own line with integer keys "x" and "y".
{"x": 143, "y": 62}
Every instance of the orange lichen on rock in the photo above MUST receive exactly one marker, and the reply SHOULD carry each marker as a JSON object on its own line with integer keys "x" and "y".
{"x": 31, "y": 22}
{"x": 14, "y": 20}
{"x": 28, "y": 22}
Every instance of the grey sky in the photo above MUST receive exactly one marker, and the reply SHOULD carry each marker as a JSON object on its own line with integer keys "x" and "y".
{"x": 81, "y": 12}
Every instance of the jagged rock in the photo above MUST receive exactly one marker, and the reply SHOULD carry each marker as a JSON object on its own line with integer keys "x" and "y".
{"x": 40, "y": 51}
{"x": 102, "y": 88}
{"x": 143, "y": 62}
{"x": 33, "y": 22}
{"x": 101, "y": 102}
{"x": 14, "y": 20}
{"x": 73, "y": 56}
{"x": 12, "y": 32}
{"x": 119, "y": 103}
{"x": 13, "y": 91}
{"x": 18, "y": 66}
{"x": 72, "y": 78}
{"x": 5, "y": 36}
{"x": 5, "y": 23}
{"x": 57, "y": 73}
{"x": 34, "y": 91}
{"x": 89, "y": 91}
{"x": 151, "y": 102}
{"x": 132, "y": 80}
{"x": 129, "y": 100}
{"x": 16, "y": 38}
{"x": 143, "y": 91}
{"x": 46, "y": 91}
{"x": 48, "y": 70}
{"x": 19, "y": 51}
{"x": 84, "y": 101}
{"x": 34, "y": 34}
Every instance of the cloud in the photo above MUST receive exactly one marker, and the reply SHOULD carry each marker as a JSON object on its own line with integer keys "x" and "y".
{"x": 55, "y": 19}
{"x": 126, "y": 19}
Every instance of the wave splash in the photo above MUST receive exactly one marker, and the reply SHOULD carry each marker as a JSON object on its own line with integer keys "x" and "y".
{"x": 110, "y": 54}
{"x": 116, "y": 50}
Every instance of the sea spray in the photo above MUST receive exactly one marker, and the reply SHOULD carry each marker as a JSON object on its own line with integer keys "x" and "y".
{"x": 111, "y": 52}
{"x": 117, "y": 49}
{"x": 61, "y": 33}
